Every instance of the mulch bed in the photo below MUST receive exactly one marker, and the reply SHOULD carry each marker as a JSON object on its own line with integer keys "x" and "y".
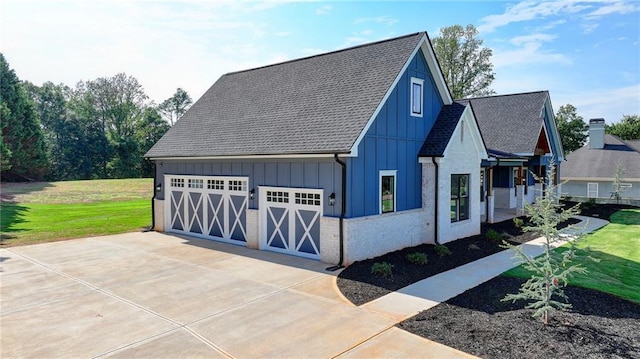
{"x": 598, "y": 326}
{"x": 602, "y": 211}
{"x": 359, "y": 286}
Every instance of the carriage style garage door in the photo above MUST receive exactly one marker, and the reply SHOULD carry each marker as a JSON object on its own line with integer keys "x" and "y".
{"x": 290, "y": 220}
{"x": 207, "y": 207}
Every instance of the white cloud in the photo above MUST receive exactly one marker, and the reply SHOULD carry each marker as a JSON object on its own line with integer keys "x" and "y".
{"x": 528, "y": 50}
{"x": 618, "y": 7}
{"x": 529, "y": 10}
{"x": 589, "y": 27}
{"x": 323, "y": 10}
{"x": 388, "y": 20}
{"x": 608, "y": 103}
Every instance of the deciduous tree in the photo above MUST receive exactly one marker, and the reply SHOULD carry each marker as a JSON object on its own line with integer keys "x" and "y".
{"x": 175, "y": 106}
{"x": 628, "y": 128}
{"x": 573, "y": 130}
{"x": 465, "y": 64}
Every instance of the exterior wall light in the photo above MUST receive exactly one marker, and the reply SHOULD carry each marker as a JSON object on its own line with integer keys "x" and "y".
{"x": 332, "y": 199}
{"x": 252, "y": 194}
{"x": 159, "y": 187}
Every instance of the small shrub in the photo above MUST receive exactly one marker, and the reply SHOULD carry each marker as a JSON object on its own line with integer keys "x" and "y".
{"x": 518, "y": 222}
{"x": 442, "y": 250}
{"x": 382, "y": 269}
{"x": 417, "y": 258}
{"x": 493, "y": 235}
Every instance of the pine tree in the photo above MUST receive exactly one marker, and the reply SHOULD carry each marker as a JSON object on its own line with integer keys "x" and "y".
{"x": 549, "y": 273}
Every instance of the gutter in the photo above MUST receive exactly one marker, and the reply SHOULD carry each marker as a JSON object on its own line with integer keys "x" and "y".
{"x": 343, "y": 211}
{"x": 153, "y": 199}
{"x": 435, "y": 231}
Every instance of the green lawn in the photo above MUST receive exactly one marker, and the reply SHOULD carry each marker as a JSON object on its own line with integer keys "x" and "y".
{"x": 51, "y": 211}
{"x": 617, "y": 245}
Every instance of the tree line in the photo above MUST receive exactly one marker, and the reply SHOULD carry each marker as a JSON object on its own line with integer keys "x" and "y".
{"x": 99, "y": 129}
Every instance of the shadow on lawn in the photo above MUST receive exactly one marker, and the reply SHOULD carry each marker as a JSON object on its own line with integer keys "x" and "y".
{"x": 12, "y": 214}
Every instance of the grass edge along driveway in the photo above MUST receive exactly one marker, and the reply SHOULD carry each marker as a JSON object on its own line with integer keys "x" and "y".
{"x": 617, "y": 245}
{"x": 74, "y": 209}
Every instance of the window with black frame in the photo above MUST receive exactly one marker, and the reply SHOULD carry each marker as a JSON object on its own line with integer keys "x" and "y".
{"x": 459, "y": 197}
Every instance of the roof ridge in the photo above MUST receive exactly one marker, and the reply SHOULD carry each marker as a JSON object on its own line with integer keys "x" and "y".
{"x": 504, "y": 95}
{"x": 326, "y": 53}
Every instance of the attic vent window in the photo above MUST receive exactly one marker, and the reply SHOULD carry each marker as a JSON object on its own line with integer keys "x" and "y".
{"x": 416, "y": 96}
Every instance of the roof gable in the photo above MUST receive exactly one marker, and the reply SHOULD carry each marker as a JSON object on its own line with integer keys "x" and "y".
{"x": 509, "y": 122}
{"x": 445, "y": 126}
{"x": 314, "y": 105}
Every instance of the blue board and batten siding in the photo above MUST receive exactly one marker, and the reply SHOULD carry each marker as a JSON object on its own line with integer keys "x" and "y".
{"x": 298, "y": 173}
{"x": 393, "y": 142}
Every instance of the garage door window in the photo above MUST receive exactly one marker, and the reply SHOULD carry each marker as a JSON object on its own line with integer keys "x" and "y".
{"x": 277, "y": 196}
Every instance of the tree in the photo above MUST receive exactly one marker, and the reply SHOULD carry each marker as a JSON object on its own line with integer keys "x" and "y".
{"x": 149, "y": 131}
{"x": 465, "y": 64}
{"x": 23, "y": 148}
{"x": 627, "y": 129}
{"x": 573, "y": 130}
{"x": 175, "y": 106}
{"x": 617, "y": 183}
{"x": 549, "y": 274}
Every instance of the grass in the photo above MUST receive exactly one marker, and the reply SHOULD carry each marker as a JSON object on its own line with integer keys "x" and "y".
{"x": 51, "y": 211}
{"x": 617, "y": 245}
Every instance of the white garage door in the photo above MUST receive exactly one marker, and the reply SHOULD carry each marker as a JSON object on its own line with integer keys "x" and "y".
{"x": 290, "y": 220}
{"x": 207, "y": 207}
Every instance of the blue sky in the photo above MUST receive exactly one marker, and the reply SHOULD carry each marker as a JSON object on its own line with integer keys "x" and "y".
{"x": 586, "y": 53}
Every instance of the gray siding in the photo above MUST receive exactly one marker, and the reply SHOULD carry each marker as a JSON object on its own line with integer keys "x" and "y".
{"x": 579, "y": 189}
{"x": 300, "y": 173}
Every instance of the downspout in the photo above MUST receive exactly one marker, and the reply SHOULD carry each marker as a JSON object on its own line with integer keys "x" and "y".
{"x": 153, "y": 200}
{"x": 343, "y": 211}
{"x": 435, "y": 227}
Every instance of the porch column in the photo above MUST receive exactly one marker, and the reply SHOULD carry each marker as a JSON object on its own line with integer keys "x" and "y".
{"x": 490, "y": 199}
{"x": 520, "y": 200}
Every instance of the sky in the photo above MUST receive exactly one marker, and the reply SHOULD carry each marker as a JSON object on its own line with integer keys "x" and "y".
{"x": 586, "y": 53}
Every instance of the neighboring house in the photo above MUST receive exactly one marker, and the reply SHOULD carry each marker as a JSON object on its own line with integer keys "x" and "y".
{"x": 590, "y": 170}
{"x": 338, "y": 157}
{"x": 522, "y": 139}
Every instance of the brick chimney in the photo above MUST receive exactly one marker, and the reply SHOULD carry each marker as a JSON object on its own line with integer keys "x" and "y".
{"x": 596, "y": 133}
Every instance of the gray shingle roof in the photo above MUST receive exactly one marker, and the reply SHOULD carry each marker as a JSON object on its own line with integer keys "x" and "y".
{"x": 602, "y": 163}
{"x": 318, "y": 104}
{"x": 510, "y": 123}
{"x": 442, "y": 130}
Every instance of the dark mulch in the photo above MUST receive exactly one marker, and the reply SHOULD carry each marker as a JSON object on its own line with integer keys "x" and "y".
{"x": 359, "y": 286}
{"x": 598, "y": 326}
{"x": 603, "y": 211}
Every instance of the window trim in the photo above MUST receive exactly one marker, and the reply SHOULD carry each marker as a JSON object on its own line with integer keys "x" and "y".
{"x": 388, "y": 173}
{"x": 468, "y": 197}
{"x": 419, "y": 82}
{"x": 589, "y": 184}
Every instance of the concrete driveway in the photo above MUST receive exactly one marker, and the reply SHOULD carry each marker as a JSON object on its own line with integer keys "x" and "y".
{"x": 155, "y": 295}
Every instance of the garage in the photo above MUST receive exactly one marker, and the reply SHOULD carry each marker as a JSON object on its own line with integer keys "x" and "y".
{"x": 211, "y": 207}
{"x": 290, "y": 220}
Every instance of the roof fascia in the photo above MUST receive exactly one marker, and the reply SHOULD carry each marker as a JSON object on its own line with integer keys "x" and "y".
{"x": 429, "y": 55}
{"x": 555, "y": 135}
{"x": 243, "y": 157}
{"x": 597, "y": 179}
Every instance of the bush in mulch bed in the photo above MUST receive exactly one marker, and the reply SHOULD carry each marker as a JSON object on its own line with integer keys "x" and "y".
{"x": 598, "y": 326}
{"x": 359, "y": 286}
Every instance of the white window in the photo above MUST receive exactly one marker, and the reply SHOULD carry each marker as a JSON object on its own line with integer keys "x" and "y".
{"x": 625, "y": 185}
{"x": 592, "y": 190}
{"x": 388, "y": 191}
{"x": 416, "y": 96}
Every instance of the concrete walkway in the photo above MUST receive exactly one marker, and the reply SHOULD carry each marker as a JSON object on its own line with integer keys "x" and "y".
{"x": 431, "y": 291}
